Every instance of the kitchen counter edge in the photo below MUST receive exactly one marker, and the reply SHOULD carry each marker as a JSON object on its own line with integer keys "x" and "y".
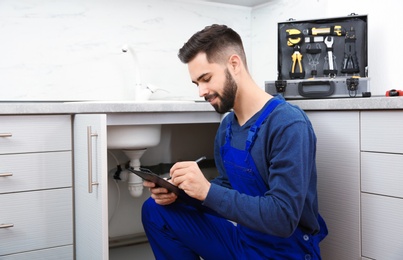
{"x": 13, "y": 108}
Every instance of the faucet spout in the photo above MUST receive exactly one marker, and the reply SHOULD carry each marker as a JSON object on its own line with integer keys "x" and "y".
{"x": 142, "y": 92}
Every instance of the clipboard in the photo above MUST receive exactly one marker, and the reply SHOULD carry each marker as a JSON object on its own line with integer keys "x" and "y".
{"x": 148, "y": 175}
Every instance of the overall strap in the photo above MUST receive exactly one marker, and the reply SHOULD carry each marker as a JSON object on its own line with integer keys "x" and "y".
{"x": 228, "y": 130}
{"x": 255, "y": 128}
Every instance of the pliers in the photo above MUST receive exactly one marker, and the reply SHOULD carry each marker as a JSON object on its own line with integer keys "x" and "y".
{"x": 350, "y": 61}
{"x": 296, "y": 57}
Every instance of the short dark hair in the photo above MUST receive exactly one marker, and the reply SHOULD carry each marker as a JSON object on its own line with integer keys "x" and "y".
{"x": 216, "y": 41}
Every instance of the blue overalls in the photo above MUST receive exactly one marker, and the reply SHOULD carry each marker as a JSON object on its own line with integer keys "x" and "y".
{"x": 180, "y": 231}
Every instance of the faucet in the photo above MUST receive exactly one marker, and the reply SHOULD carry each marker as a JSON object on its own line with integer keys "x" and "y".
{"x": 142, "y": 91}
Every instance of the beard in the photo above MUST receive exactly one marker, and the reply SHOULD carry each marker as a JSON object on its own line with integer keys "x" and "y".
{"x": 228, "y": 97}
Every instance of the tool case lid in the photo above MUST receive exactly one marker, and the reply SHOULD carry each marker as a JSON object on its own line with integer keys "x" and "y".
{"x": 309, "y": 35}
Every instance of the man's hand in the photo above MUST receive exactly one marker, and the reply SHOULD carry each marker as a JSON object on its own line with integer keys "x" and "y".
{"x": 188, "y": 177}
{"x": 161, "y": 195}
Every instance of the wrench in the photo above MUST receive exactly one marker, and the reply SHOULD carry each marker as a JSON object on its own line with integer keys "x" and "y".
{"x": 329, "y": 47}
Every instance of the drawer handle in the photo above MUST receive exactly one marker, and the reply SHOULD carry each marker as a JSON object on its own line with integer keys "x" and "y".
{"x": 90, "y": 135}
{"x": 6, "y": 174}
{"x": 6, "y": 225}
{"x": 6, "y": 134}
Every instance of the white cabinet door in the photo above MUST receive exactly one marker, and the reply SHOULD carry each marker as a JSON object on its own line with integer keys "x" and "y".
{"x": 54, "y": 253}
{"x": 36, "y": 220}
{"x": 381, "y": 173}
{"x": 91, "y": 201}
{"x": 380, "y": 131}
{"x": 27, "y": 134}
{"x": 338, "y": 164}
{"x": 32, "y": 171}
{"x": 382, "y": 227}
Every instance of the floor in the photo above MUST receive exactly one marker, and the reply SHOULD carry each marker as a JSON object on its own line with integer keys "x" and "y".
{"x": 136, "y": 252}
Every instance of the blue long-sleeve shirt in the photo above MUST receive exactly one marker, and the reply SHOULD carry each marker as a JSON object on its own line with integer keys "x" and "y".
{"x": 284, "y": 153}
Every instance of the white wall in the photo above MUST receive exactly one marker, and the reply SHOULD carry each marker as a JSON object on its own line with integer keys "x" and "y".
{"x": 384, "y": 18}
{"x": 71, "y": 49}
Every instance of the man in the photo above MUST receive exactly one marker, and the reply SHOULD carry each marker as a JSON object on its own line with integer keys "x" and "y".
{"x": 265, "y": 155}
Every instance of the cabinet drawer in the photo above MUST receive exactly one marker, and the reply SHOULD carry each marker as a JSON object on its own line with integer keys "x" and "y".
{"x": 56, "y": 253}
{"x": 382, "y": 173}
{"x": 22, "y": 134}
{"x": 40, "y": 219}
{"x": 34, "y": 171}
{"x": 382, "y": 227}
{"x": 380, "y": 131}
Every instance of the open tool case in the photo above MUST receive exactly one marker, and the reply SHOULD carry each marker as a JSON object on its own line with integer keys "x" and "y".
{"x": 325, "y": 58}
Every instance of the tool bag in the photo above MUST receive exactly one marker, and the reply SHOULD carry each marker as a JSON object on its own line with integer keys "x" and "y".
{"x": 324, "y": 58}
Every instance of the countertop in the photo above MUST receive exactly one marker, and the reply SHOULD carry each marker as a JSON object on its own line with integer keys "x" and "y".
{"x": 104, "y": 107}
{"x": 155, "y": 106}
{"x": 368, "y": 103}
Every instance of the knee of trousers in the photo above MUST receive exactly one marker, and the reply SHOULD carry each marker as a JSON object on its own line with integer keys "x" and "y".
{"x": 149, "y": 211}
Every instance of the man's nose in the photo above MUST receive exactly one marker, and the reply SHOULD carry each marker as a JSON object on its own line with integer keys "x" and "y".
{"x": 202, "y": 90}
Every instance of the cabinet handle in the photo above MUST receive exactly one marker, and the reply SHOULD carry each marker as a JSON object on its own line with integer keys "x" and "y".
{"x": 6, "y": 134}
{"x": 6, "y": 174}
{"x": 6, "y": 225}
{"x": 89, "y": 143}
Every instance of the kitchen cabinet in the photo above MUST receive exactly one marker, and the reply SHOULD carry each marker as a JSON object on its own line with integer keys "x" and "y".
{"x": 36, "y": 217}
{"x": 359, "y": 160}
{"x": 338, "y": 167}
{"x": 381, "y": 184}
{"x": 338, "y": 162}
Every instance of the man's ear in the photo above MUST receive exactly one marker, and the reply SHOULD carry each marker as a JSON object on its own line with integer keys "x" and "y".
{"x": 235, "y": 62}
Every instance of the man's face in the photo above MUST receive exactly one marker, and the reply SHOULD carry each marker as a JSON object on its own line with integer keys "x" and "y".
{"x": 215, "y": 83}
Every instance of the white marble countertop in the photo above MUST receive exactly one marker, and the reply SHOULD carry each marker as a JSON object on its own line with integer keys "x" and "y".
{"x": 370, "y": 103}
{"x": 109, "y": 107}
{"x": 106, "y": 107}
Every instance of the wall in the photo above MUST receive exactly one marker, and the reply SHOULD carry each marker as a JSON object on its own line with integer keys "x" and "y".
{"x": 383, "y": 39}
{"x": 72, "y": 49}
